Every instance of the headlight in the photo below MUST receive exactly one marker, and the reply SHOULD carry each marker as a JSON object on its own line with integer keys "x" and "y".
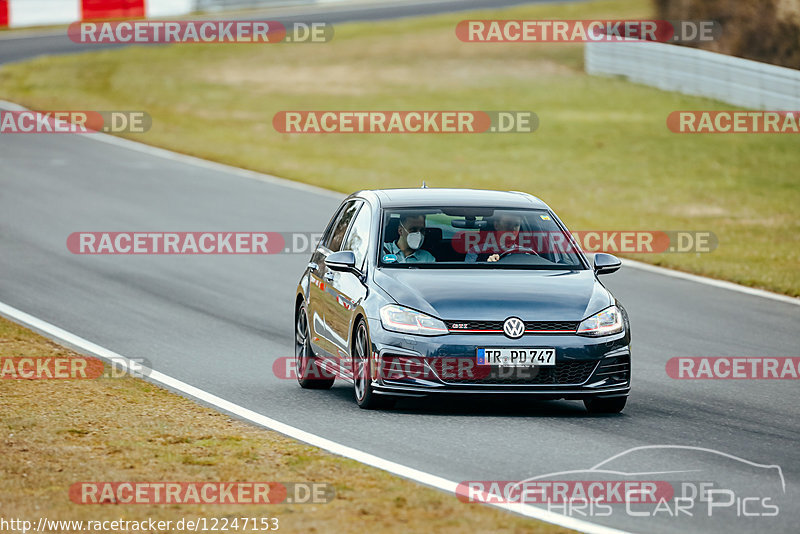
{"x": 608, "y": 321}
{"x": 399, "y": 319}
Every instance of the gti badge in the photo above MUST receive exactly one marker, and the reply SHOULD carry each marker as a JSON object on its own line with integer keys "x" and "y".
{"x": 513, "y": 327}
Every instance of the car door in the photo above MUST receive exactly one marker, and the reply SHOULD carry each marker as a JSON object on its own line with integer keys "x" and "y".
{"x": 316, "y": 286}
{"x": 320, "y": 288}
{"x": 348, "y": 289}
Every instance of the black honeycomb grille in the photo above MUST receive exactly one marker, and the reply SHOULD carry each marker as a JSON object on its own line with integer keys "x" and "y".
{"x": 563, "y": 373}
{"x": 618, "y": 368}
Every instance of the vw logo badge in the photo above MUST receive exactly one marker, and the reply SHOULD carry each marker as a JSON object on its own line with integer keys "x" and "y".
{"x": 513, "y": 327}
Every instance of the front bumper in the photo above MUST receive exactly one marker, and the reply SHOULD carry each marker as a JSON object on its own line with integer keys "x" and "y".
{"x": 406, "y": 365}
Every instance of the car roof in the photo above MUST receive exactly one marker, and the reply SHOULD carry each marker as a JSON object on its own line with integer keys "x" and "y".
{"x": 434, "y": 197}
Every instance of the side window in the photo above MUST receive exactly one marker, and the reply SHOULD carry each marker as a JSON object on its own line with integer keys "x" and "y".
{"x": 334, "y": 242}
{"x": 326, "y": 237}
{"x": 358, "y": 238}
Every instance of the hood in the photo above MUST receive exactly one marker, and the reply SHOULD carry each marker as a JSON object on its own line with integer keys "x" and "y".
{"x": 492, "y": 295}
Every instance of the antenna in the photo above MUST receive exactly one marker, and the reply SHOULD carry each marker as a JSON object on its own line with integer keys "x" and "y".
{"x": 424, "y": 186}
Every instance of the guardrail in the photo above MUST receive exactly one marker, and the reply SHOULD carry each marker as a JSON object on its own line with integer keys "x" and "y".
{"x": 733, "y": 80}
{"x": 22, "y": 13}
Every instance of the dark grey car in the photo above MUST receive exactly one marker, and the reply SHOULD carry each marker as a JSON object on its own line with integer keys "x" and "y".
{"x": 412, "y": 292}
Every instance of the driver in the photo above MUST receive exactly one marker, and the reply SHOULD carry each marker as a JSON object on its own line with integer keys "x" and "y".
{"x": 503, "y": 224}
{"x": 411, "y": 234}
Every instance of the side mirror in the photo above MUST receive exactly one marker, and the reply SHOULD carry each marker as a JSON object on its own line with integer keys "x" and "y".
{"x": 606, "y": 263}
{"x": 343, "y": 260}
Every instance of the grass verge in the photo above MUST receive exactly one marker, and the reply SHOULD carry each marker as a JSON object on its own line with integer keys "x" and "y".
{"x": 602, "y": 157}
{"x": 58, "y": 432}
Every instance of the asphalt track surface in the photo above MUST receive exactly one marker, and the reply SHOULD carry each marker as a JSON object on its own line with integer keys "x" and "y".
{"x": 219, "y": 322}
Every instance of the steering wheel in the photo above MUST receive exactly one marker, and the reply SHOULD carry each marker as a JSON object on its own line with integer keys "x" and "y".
{"x": 516, "y": 249}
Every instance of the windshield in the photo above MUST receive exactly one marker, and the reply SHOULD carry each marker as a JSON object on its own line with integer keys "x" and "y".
{"x": 480, "y": 238}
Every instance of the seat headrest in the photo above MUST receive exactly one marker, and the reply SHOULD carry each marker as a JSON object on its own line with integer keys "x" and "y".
{"x": 433, "y": 234}
{"x": 391, "y": 230}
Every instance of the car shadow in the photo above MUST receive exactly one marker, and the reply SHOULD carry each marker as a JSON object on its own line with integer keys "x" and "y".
{"x": 480, "y": 405}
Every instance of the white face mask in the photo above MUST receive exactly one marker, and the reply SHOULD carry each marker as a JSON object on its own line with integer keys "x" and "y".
{"x": 414, "y": 239}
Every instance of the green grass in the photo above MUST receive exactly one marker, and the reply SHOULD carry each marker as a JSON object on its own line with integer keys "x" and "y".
{"x": 603, "y": 157}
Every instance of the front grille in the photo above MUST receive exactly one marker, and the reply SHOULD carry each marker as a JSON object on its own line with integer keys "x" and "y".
{"x": 569, "y": 326}
{"x": 563, "y": 373}
{"x": 474, "y": 325}
{"x": 497, "y": 326}
{"x": 618, "y": 368}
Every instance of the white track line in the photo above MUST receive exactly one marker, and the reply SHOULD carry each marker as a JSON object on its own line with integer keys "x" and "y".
{"x": 722, "y": 284}
{"x": 268, "y": 178}
{"x": 416, "y": 475}
{"x": 312, "y": 439}
{"x": 293, "y": 432}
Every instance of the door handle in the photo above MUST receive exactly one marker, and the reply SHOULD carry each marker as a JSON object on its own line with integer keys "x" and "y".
{"x": 328, "y": 276}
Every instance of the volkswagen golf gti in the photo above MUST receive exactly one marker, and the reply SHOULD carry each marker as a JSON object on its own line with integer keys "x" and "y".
{"x": 415, "y": 292}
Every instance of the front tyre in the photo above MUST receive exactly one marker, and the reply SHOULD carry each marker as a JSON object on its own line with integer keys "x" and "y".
{"x": 309, "y": 374}
{"x": 366, "y": 398}
{"x": 612, "y": 405}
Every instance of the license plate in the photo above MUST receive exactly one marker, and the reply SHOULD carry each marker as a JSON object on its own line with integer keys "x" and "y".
{"x": 517, "y": 357}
